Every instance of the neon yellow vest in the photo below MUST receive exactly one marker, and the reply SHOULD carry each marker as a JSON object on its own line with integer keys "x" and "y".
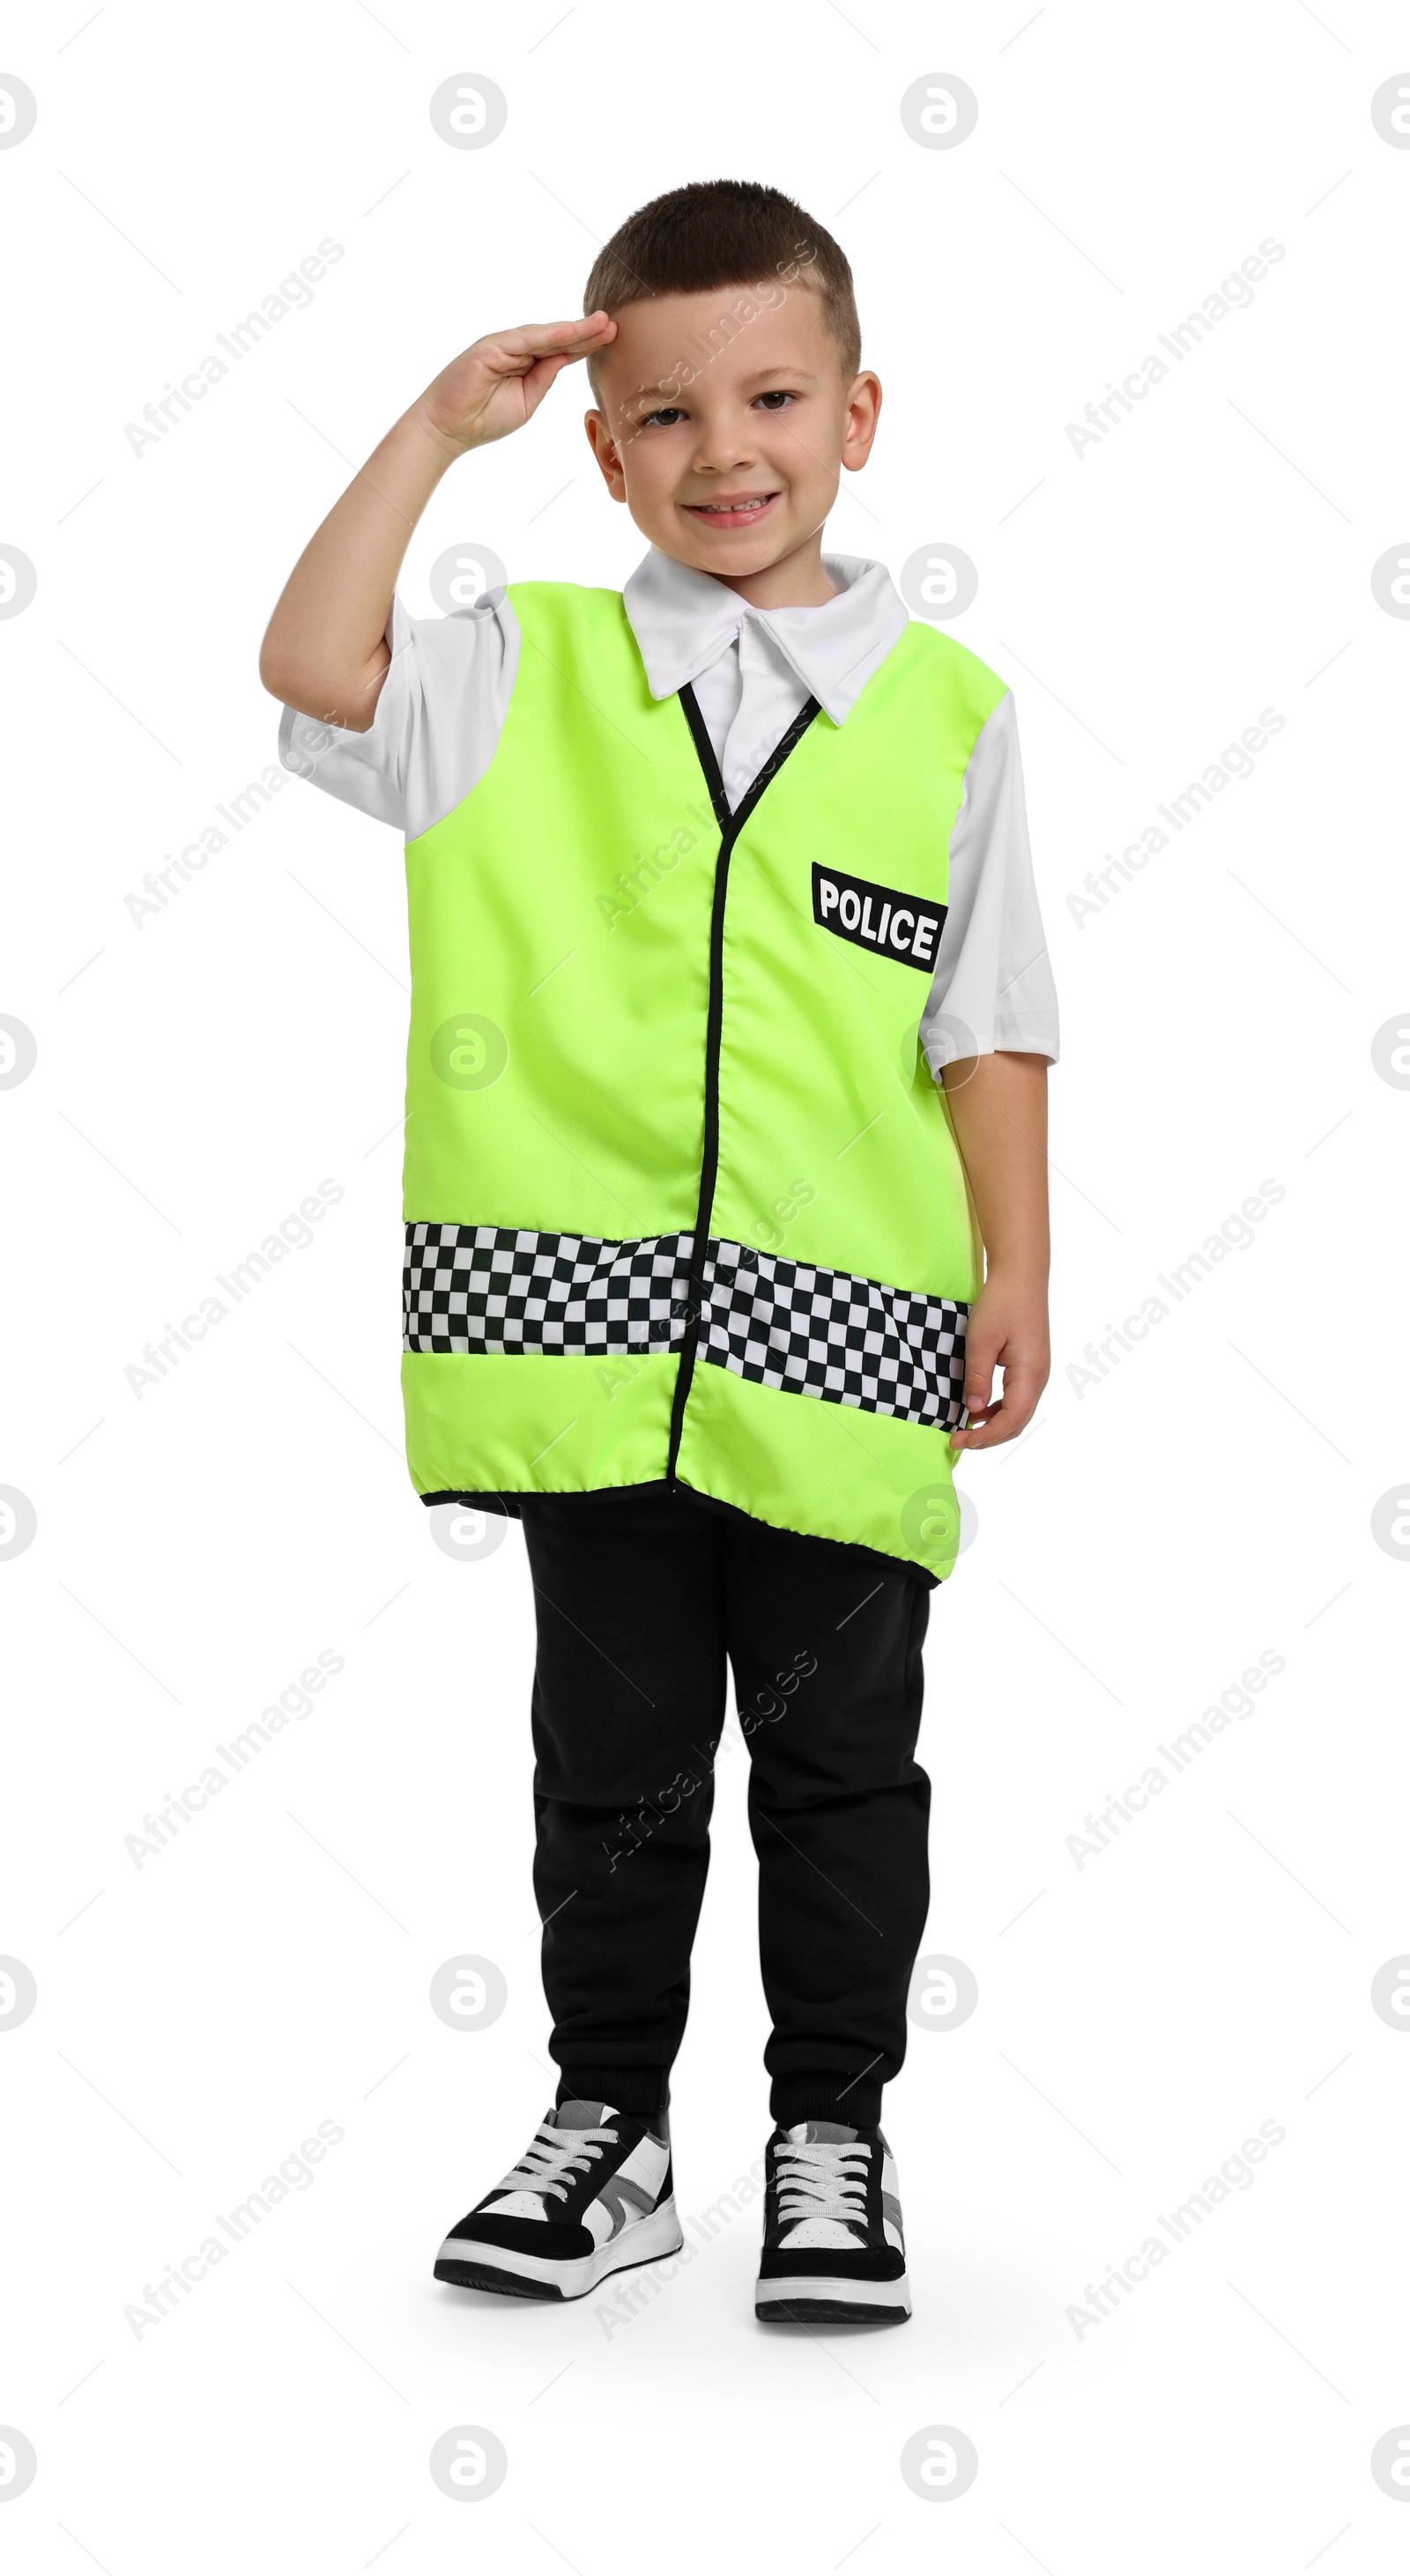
{"x": 683, "y": 1203}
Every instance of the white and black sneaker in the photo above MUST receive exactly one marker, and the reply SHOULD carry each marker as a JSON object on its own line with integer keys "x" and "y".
{"x": 833, "y": 2253}
{"x": 591, "y": 2195}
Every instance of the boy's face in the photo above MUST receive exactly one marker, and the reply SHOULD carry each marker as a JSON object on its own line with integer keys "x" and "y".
{"x": 725, "y": 421}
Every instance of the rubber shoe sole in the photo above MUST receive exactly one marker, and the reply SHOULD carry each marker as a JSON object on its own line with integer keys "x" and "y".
{"x": 807, "y": 2300}
{"x": 469, "y": 2265}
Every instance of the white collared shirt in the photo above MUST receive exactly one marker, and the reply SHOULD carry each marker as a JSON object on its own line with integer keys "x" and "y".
{"x": 753, "y": 668}
{"x": 446, "y": 694}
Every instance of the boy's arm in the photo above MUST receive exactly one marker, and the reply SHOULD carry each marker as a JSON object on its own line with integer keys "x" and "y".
{"x": 325, "y": 650}
{"x": 999, "y": 1104}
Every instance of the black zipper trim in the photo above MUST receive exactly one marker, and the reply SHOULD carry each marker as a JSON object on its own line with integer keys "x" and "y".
{"x": 731, "y": 825}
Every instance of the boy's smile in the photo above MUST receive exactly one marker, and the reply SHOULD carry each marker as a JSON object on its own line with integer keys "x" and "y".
{"x": 725, "y": 422}
{"x": 739, "y": 511}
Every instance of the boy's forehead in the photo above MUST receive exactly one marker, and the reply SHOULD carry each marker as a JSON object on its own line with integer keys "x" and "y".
{"x": 737, "y": 331}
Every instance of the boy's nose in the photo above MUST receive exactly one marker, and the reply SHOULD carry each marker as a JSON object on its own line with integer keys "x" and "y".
{"x": 720, "y": 452}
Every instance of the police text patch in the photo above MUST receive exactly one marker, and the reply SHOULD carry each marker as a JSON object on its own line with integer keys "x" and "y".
{"x": 903, "y": 926}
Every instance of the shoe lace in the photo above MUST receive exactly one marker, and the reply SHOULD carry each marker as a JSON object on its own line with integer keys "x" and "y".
{"x": 552, "y": 2155}
{"x": 817, "y": 2179}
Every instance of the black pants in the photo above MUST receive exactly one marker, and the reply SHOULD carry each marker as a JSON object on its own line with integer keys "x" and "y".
{"x": 640, "y": 1595}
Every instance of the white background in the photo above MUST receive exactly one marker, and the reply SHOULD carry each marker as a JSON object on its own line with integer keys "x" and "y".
{"x": 1209, "y": 1499}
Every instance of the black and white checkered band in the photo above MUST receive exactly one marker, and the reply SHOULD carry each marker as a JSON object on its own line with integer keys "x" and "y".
{"x": 486, "y": 1288}
{"x": 823, "y": 1332}
{"x": 497, "y": 1288}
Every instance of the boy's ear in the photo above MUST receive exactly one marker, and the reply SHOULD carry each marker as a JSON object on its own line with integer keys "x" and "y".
{"x": 863, "y": 413}
{"x": 604, "y": 448}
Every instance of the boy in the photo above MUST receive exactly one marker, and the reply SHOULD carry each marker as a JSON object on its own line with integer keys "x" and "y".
{"x": 713, "y": 882}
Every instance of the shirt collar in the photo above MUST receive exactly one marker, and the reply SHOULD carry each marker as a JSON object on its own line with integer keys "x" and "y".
{"x": 683, "y": 620}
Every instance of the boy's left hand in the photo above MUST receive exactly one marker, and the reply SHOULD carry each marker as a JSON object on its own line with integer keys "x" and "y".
{"x": 1008, "y": 1329}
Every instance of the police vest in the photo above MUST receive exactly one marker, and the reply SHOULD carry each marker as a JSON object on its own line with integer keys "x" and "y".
{"x": 684, "y": 1207}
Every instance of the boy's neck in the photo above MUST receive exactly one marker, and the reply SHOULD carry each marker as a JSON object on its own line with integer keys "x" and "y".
{"x": 797, "y": 580}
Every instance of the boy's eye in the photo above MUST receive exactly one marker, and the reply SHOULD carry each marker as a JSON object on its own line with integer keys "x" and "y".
{"x": 666, "y": 416}
{"x": 776, "y": 400}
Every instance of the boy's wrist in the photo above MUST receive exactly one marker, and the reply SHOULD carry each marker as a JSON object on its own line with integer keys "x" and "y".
{"x": 1018, "y": 1275}
{"x": 422, "y": 423}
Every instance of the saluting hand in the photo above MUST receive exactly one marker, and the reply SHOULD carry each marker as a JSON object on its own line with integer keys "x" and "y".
{"x": 497, "y": 384}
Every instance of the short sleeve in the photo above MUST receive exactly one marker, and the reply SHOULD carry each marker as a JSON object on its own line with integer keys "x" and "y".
{"x": 437, "y": 724}
{"x": 993, "y": 984}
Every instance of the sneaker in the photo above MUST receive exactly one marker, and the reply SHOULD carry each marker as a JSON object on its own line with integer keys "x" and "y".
{"x": 591, "y": 2195}
{"x": 833, "y": 2249}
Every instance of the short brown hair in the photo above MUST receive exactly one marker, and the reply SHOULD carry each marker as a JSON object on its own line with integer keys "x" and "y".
{"x": 724, "y": 232}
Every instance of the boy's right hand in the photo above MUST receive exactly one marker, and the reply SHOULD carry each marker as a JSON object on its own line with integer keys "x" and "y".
{"x": 497, "y": 384}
